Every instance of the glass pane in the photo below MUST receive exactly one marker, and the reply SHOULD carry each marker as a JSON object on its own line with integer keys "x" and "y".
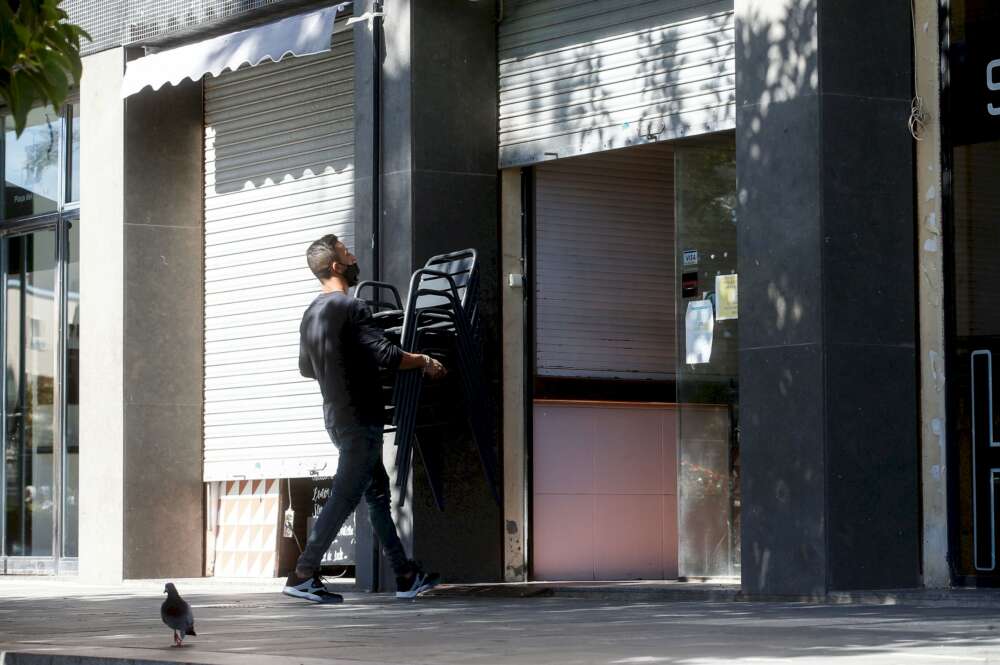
{"x": 974, "y": 289}
{"x": 975, "y": 348}
{"x": 31, "y": 164}
{"x": 73, "y": 194}
{"x": 30, "y": 369}
{"x": 707, "y": 378}
{"x": 71, "y": 483}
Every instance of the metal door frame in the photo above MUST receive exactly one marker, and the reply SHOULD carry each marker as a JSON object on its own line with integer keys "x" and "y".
{"x": 56, "y": 563}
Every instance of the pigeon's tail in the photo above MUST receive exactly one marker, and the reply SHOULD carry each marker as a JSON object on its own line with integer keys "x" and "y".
{"x": 190, "y": 631}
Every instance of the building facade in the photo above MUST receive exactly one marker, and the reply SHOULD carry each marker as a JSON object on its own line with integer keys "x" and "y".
{"x": 737, "y": 291}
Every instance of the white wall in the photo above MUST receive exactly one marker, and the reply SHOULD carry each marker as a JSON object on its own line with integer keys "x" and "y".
{"x": 102, "y": 452}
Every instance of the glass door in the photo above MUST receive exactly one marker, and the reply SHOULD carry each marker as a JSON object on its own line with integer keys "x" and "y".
{"x": 974, "y": 370}
{"x": 708, "y": 367}
{"x": 39, "y": 341}
{"x": 32, "y": 449}
{"x": 973, "y": 289}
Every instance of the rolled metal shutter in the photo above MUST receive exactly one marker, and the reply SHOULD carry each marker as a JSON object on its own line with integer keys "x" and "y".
{"x": 279, "y": 173}
{"x": 578, "y": 77}
{"x": 604, "y": 283}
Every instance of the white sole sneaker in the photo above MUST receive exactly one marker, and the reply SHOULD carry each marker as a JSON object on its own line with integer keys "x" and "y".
{"x": 420, "y": 584}
{"x": 313, "y": 596}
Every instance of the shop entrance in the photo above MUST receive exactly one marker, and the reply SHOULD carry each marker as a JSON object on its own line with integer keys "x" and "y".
{"x": 39, "y": 342}
{"x": 973, "y": 153}
{"x": 974, "y": 370}
{"x": 39, "y": 475}
{"x": 635, "y": 447}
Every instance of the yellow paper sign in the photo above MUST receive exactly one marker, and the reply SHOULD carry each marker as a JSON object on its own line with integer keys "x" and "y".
{"x": 726, "y": 297}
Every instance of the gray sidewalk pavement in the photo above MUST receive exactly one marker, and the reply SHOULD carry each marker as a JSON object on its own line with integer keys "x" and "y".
{"x": 44, "y": 621}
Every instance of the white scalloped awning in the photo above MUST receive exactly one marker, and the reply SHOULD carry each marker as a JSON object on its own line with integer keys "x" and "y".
{"x": 304, "y": 34}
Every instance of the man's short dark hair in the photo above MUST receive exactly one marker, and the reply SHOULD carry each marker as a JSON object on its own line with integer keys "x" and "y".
{"x": 321, "y": 255}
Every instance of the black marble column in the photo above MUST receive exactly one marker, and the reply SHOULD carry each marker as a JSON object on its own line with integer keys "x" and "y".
{"x": 828, "y": 360}
{"x": 439, "y": 192}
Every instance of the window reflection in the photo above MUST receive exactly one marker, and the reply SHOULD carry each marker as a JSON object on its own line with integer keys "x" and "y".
{"x": 30, "y": 323}
{"x": 31, "y": 164}
{"x": 71, "y": 485}
{"x": 37, "y": 335}
{"x": 74, "y": 155}
{"x": 707, "y": 385}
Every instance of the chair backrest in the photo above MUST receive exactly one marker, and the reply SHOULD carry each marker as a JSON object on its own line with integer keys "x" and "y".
{"x": 377, "y": 298}
{"x": 463, "y": 269}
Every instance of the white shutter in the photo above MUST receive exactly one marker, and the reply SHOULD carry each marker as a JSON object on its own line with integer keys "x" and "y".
{"x": 604, "y": 265}
{"x": 279, "y": 170}
{"x": 578, "y": 77}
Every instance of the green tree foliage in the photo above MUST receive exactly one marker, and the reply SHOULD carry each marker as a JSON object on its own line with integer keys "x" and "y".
{"x": 39, "y": 56}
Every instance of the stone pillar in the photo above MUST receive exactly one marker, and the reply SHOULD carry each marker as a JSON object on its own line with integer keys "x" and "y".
{"x": 102, "y": 297}
{"x": 828, "y": 366}
{"x": 141, "y": 495}
{"x": 439, "y": 189}
{"x": 515, "y": 440}
{"x": 164, "y": 332}
{"x": 930, "y": 209}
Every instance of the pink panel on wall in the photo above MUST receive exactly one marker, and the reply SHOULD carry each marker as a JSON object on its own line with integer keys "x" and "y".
{"x": 628, "y": 455}
{"x": 565, "y": 463}
{"x": 628, "y": 541}
{"x": 668, "y": 439}
{"x": 604, "y": 492}
{"x": 563, "y": 534}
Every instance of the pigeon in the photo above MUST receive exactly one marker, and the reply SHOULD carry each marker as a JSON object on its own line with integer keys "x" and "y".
{"x": 176, "y": 613}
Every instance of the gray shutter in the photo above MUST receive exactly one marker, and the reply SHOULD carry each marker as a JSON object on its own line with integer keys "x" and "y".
{"x": 581, "y": 77}
{"x": 604, "y": 265}
{"x": 279, "y": 170}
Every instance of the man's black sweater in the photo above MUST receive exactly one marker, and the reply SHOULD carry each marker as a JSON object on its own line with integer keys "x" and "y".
{"x": 342, "y": 348}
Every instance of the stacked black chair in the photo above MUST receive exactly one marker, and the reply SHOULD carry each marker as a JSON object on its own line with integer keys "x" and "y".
{"x": 388, "y": 315}
{"x": 440, "y": 319}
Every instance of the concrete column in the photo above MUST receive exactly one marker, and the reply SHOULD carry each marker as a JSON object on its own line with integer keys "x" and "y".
{"x": 141, "y": 495}
{"x": 439, "y": 191}
{"x": 933, "y": 402}
{"x": 515, "y": 481}
{"x": 164, "y": 332}
{"x": 828, "y": 365}
{"x": 102, "y": 296}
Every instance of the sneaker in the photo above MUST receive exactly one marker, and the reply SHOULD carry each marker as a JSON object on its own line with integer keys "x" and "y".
{"x": 311, "y": 589}
{"x": 415, "y": 581}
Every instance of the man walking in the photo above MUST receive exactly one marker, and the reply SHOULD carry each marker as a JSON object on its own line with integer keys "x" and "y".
{"x": 341, "y": 347}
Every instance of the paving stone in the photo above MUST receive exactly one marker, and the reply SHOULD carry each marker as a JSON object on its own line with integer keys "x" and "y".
{"x": 249, "y": 623}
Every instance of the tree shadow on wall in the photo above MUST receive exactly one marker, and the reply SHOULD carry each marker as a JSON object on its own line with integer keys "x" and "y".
{"x": 582, "y": 82}
{"x": 783, "y": 226}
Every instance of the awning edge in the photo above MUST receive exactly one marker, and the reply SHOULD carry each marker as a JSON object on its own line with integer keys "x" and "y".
{"x": 296, "y": 36}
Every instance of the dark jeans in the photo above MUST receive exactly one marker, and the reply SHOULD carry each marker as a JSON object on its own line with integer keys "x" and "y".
{"x": 359, "y": 471}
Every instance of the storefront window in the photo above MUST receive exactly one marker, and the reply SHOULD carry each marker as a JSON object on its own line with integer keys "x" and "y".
{"x": 73, "y": 163}
{"x": 40, "y": 337}
{"x": 71, "y": 466}
{"x": 974, "y": 288}
{"x": 31, "y": 165}
{"x": 30, "y": 326}
{"x": 707, "y": 377}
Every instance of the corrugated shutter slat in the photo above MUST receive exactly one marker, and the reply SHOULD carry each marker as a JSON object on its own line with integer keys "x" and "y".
{"x": 279, "y": 172}
{"x": 582, "y": 77}
{"x": 605, "y": 266}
